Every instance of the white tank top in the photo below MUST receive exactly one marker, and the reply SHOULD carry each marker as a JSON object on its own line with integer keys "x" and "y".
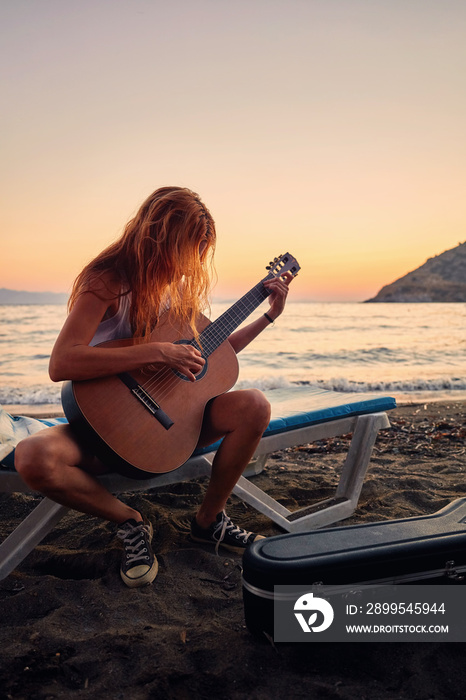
{"x": 116, "y": 327}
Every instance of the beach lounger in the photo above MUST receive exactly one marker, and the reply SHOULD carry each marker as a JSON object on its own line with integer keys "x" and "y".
{"x": 312, "y": 414}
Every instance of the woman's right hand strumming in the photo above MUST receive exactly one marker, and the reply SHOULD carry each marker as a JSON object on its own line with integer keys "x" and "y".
{"x": 182, "y": 357}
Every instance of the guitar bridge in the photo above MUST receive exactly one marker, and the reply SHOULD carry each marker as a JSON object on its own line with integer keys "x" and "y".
{"x": 146, "y": 399}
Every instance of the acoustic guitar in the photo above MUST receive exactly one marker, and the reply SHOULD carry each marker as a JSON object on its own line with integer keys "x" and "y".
{"x": 143, "y": 423}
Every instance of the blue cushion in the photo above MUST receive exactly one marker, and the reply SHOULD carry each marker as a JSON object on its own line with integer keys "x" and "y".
{"x": 299, "y": 408}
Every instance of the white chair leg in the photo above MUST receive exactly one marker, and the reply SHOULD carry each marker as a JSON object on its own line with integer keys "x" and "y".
{"x": 256, "y": 466}
{"x": 343, "y": 504}
{"x": 359, "y": 454}
{"x": 28, "y": 534}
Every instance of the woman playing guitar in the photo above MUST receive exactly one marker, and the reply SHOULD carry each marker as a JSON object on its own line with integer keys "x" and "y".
{"x": 159, "y": 266}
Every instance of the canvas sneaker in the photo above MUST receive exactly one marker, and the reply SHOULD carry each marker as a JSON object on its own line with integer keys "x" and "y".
{"x": 138, "y": 564}
{"x": 224, "y": 533}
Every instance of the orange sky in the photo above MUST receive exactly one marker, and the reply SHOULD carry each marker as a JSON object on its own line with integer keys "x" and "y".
{"x": 334, "y": 130}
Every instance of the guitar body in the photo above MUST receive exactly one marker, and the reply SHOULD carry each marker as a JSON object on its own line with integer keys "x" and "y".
{"x": 120, "y": 428}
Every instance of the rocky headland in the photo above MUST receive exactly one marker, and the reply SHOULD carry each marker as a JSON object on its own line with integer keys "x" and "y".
{"x": 440, "y": 279}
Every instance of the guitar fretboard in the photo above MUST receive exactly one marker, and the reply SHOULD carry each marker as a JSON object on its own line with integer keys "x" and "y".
{"x": 224, "y": 325}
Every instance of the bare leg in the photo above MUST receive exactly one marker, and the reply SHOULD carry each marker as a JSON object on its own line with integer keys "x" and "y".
{"x": 242, "y": 417}
{"x": 53, "y": 463}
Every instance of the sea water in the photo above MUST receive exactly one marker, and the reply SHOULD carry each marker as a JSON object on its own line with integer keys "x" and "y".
{"x": 409, "y": 351}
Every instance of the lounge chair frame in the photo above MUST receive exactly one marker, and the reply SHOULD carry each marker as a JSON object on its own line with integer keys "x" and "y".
{"x": 364, "y": 429}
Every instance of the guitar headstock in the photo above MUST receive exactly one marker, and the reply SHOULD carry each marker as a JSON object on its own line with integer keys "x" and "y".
{"x": 282, "y": 264}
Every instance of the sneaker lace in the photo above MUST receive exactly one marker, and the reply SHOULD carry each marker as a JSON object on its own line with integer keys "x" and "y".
{"x": 227, "y": 526}
{"x": 134, "y": 541}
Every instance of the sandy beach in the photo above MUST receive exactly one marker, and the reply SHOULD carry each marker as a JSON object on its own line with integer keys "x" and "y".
{"x": 70, "y": 628}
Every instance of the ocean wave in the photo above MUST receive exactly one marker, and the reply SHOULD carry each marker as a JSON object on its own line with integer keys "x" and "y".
{"x": 406, "y": 385}
{"x": 379, "y": 355}
{"x": 266, "y": 383}
{"x": 50, "y": 394}
{"x": 343, "y": 384}
{"x": 30, "y": 395}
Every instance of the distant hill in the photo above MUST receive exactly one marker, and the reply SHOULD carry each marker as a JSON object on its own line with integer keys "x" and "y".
{"x": 12, "y": 296}
{"x": 440, "y": 279}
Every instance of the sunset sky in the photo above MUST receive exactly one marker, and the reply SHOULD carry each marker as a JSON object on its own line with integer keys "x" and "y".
{"x": 334, "y": 129}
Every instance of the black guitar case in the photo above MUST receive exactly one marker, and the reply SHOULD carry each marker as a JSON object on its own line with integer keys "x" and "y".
{"x": 422, "y": 550}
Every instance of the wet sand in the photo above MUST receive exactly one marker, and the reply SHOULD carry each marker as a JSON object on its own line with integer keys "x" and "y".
{"x": 70, "y": 628}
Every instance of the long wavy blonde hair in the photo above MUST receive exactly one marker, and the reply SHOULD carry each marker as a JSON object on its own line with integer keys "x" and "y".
{"x": 157, "y": 259}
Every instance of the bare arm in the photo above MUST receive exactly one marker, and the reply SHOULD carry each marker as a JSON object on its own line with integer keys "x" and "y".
{"x": 73, "y": 358}
{"x": 277, "y": 299}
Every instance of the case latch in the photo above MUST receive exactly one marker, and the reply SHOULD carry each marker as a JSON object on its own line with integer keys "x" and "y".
{"x": 451, "y": 573}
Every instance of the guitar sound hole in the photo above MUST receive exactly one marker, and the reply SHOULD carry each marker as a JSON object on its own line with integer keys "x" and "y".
{"x": 201, "y": 373}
